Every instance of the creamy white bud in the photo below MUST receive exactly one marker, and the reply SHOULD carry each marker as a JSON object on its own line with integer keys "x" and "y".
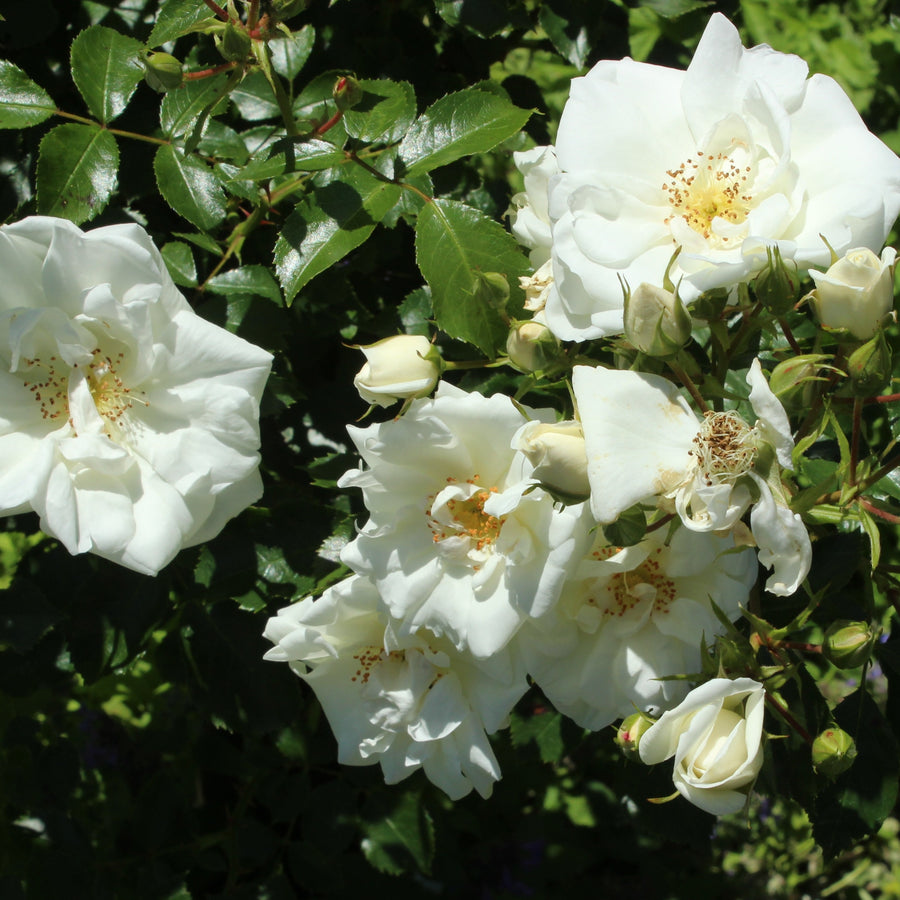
{"x": 857, "y": 292}
{"x": 398, "y": 368}
{"x": 656, "y": 322}
{"x": 557, "y": 454}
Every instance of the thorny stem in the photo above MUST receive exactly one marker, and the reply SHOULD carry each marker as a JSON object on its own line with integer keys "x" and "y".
{"x": 786, "y": 715}
{"x": 208, "y": 73}
{"x": 217, "y": 10}
{"x": 685, "y": 379}
{"x": 878, "y": 513}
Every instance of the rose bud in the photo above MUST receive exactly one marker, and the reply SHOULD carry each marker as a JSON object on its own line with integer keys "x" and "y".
{"x": 628, "y": 735}
{"x": 532, "y": 347}
{"x": 777, "y": 284}
{"x": 557, "y": 453}
{"x": 856, "y": 293}
{"x": 162, "y": 71}
{"x": 869, "y": 366}
{"x": 848, "y": 644}
{"x": 347, "y": 92}
{"x": 398, "y": 368}
{"x": 656, "y": 322}
{"x": 833, "y": 752}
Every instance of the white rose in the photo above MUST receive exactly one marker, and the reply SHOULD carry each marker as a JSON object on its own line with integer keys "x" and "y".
{"x": 557, "y": 453}
{"x": 715, "y": 735}
{"x": 857, "y": 292}
{"x": 398, "y": 368}
{"x": 406, "y": 704}
{"x": 740, "y": 151}
{"x": 127, "y": 422}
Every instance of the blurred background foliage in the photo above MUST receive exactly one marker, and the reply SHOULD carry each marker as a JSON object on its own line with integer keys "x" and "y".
{"x": 147, "y": 750}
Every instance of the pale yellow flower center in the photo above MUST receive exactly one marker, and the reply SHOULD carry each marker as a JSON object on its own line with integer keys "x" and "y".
{"x": 705, "y": 187}
{"x": 48, "y": 382}
{"x": 725, "y": 447}
{"x": 627, "y": 590}
{"x": 465, "y": 517}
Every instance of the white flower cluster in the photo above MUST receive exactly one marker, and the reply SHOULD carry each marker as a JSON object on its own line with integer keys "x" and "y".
{"x": 490, "y": 555}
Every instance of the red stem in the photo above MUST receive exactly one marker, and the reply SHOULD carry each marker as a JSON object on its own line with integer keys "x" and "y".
{"x": 329, "y": 124}
{"x": 207, "y": 73}
{"x": 788, "y": 718}
{"x": 217, "y": 10}
{"x": 879, "y": 513}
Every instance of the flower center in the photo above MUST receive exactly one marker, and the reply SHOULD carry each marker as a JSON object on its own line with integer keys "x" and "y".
{"x": 725, "y": 447}
{"x": 708, "y": 187}
{"x": 111, "y": 397}
{"x": 49, "y": 387}
{"x": 458, "y": 512}
{"x": 367, "y": 658}
{"x": 626, "y": 590}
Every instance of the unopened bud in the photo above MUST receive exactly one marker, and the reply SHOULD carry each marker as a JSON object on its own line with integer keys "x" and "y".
{"x": 347, "y": 92}
{"x": 848, "y": 644}
{"x": 710, "y": 304}
{"x": 162, "y": 71}
{"x": 532, "y": 347}
{"x": 233, "y": 43}
{"x": 628, "y": 736}
{"x": 777, "y": 285}
{"x": 869, "y": 366}
{"x": 791, "y": 379}
{"x": 558, "y": 455}
{"x": 492, "y": 289}
{"x": 656, "y": 322}
{"x": 833, "y": 752}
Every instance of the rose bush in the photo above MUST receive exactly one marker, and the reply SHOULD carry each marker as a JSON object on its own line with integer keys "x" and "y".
{"x": 127, "y": 422}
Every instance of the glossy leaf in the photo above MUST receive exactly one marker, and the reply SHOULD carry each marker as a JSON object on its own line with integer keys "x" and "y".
{"x": 255, "y": 99}
{"x": 178, "y": 17}
{"x": 106, "y": 70}
{"x": 384, "y": 113}
{"x": 180, "y": 109}
{"x": 189, "y": 187}
{"x": 396, "y": 832}
{"x": 325, "y": 227}
{"x": 179, "y": 259}
{"x": 455, "y": 245}
{"x": 292, "y": 155}
{"x": 76, "y": 173}
{"x": 255, "y": 280}
{"x": 289, "y": 54}
{"x": 22, "y": 102}
{"x": 469, "y": 121}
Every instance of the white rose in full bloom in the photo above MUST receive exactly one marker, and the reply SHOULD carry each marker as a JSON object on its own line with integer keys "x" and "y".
{"x": 739, "y": 152}
{"x": 629, "y": 617}
{"x": 127, "y": 422}
{"x": 459, "y": 539}
{"x": 645, "y": 444}
{"x": 715, "y": 735}
{"x": 398, "y": 368}
{"x": 404, "y": 703}
{"x": 857, "y": 292}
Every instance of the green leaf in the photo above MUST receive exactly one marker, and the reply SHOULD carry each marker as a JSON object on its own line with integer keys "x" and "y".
{"x": 460, "y": 124}
{"x": 179, "y": 260}
{"x": 76, "y": 172}
{"x": 384, "y": 113}
{"x": 398, "y": 834}
{"x": 483, "y": 17}
{"x": 203, "y": 241}
{"x": 336, "y": 218}
{"x": 178, "y": 17}
{"x": 415, "y": 312}
{"x": 455, "y": 245}
{"x": 189, "y": 187}
{"x": 106, "y": 70}
{"x": 544, "y": 729}
{"x": 255, "y": 98}
{"x": 289, "y": 54}
{"x": 22, "y": 102}
{"x": 568, "y": 31}
{"x": 180, "y": 109}
{"x": 255, "y": 280}
{"x": 315, "y": 105}
{"x": 292, "y": 155}
{"x": 672, "y": 9}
